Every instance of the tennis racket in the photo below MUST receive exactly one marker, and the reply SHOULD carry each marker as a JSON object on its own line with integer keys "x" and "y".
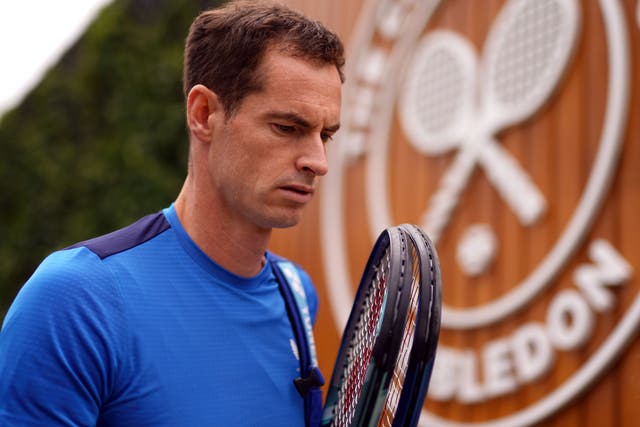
{"x": 375, "y": 358}
{"x": 427, "y": 332}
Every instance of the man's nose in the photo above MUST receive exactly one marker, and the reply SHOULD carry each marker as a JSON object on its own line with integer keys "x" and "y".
{"x": 314, "y": 156}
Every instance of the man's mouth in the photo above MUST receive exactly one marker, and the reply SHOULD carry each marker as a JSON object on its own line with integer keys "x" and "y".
{"x": 298, "y": 192}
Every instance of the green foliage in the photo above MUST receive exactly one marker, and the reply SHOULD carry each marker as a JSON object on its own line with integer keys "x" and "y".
{"x": 100, "y": 142}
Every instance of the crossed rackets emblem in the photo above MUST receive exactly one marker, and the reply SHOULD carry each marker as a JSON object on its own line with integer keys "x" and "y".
{"x": 452, "y": 100}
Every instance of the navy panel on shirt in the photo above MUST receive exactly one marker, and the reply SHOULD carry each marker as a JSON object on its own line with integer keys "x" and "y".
{"x": 144, "y": 229}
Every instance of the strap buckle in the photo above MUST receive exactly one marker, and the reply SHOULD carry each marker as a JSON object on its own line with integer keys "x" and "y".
{"x": 314, "y": 379}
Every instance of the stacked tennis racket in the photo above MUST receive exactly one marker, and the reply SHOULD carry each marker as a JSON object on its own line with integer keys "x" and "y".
{"x": 384, "y": 363}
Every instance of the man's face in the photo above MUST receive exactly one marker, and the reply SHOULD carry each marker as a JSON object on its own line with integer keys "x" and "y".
{"x": 264, "y": 161}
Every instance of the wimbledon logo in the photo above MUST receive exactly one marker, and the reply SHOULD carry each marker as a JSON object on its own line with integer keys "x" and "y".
{"x": 452, "y": 100}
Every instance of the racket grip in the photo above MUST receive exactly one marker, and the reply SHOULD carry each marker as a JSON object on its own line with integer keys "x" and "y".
{"x": 512, "y": 183}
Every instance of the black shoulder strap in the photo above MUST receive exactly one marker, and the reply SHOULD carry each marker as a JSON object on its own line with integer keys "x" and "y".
{"x": 310, "y": 380}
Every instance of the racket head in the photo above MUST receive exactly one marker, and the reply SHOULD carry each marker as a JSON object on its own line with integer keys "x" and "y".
{"x": 427, "y": 331}
{"x": 437, "y": 100}
{"x": 369, "y": 346}
{"x": 525, "y": 54}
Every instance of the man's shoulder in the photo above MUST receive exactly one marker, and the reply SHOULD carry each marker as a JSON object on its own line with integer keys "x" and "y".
{"x": 126, "y": 238}
{"x": 70, "y": 277}
{"x": 80, "y": 271}
{"x": 68, "y": 286}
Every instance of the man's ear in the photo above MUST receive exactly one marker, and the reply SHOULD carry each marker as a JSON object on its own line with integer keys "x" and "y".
{"x": 202, "y": 103}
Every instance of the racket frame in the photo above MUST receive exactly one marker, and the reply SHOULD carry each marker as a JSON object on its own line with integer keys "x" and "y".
{"x": 386, "y": 343}
{"x": 423, "y": 352}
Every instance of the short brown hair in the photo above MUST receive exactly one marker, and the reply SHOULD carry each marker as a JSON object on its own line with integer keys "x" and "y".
{"x": 225, "y": 47}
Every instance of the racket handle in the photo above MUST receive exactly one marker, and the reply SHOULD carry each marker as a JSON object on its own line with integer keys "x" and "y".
{"x": 512, "y": 183}
{"x": 442, "y": 204}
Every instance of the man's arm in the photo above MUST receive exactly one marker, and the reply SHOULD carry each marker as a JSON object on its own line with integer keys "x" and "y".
{"x": 59, "y": 344}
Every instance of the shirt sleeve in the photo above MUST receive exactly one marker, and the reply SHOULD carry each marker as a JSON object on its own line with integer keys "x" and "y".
{"x": 59, "y": 344}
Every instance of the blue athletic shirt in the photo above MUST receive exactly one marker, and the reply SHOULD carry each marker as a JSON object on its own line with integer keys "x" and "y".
{"x": 140, "y": 328}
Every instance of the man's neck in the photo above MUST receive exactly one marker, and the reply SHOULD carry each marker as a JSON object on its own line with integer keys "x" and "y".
{"x": 233, "y": 245}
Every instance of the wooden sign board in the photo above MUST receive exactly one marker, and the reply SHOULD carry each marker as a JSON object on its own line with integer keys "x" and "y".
{"x": 510, "y": 131}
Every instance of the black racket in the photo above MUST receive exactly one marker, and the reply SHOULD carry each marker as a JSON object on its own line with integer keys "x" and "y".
{"x": 423, "y": 354}
{"x": 375, "y": 356}
{"x": 412, "y": 374}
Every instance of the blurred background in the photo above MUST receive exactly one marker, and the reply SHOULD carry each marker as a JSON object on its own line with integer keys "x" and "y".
{"x": 99, "y": 138}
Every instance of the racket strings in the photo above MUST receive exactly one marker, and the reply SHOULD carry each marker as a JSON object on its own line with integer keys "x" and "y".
{"x": 402, "y": 362}
{"x": 527, "y": 51}
{"x": 360, "y": 349}
{"x": 437, "y": 94}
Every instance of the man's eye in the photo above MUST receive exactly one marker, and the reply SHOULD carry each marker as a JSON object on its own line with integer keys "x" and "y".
{"x": 326, "y": 137}
{"x": 284, "y": 128}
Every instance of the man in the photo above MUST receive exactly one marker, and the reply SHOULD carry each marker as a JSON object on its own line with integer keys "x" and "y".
{"x": 177, "y": 320}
